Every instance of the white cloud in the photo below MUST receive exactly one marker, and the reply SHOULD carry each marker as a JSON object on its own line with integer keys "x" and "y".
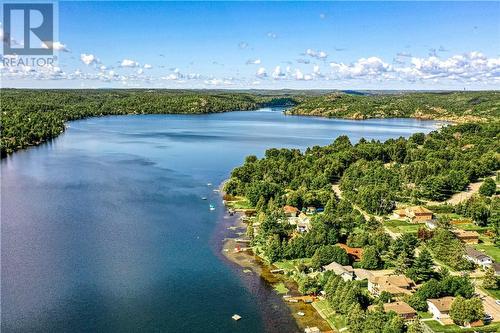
{"x": 242, "y": 45}
{"x": 316, "y": 54}
{"x": 56, "y": 46}
{"x": 253, "y": 61}
{"x": 129, "y": 63}
{"x": 271, "y": 34}
{"x": 364, "y": 67}
{"x": 147, "y": 66}
{"x": 322, "y": 16}
{"x": 88, "y": 59}
{"x": 261, "y": 72}
{"x": 278, "y": 73}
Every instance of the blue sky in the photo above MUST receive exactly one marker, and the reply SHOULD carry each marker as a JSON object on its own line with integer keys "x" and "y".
{"x": 303, "y": 45}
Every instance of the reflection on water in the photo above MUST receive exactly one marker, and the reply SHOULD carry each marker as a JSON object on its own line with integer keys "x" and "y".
{"x": 103, "y": 228}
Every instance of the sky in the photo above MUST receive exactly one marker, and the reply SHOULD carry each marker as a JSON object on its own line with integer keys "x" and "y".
{"x": 270, "y": 45}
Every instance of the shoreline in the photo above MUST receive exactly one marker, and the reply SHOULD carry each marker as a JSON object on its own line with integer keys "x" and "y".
{"x": 252, "y": 264}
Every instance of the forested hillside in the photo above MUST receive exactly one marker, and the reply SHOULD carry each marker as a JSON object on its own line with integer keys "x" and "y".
{"x": 29, "y": 117}
{"x": 373, "y": 174}
{"x": 454, "y": 106}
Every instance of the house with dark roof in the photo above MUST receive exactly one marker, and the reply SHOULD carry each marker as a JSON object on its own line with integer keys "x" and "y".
{"x": 478, "y": 257}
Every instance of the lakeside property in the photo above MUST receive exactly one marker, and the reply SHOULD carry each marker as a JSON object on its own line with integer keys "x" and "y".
{"x": 369, "y": 230}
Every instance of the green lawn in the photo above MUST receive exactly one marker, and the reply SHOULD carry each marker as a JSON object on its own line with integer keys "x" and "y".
{"x": 495, "y": 293}
{"x": 437, "y": 327}
{"x": 280, "y": 288}
{"x": 290, "y": 265}
{"x": 402, "y": 226}
{"x": 240, "y": 203}
{"x": 471, "y": 227}
{"x": 424, "y": 314}
{"x": 335, "y": 320}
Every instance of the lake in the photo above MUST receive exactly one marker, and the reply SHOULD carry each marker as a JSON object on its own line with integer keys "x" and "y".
{"x": 103, "y": 229}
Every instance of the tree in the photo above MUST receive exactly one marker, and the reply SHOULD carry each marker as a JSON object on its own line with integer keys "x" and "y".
{"x": 416, "y": 327}
{"x": 488, "y": 187}
{"x": 402, "y": 263}
{"x": 273, "y": 249}
{"x": 357, "y": 319}
{"x": 464, "y": 311}
{"x": 371, "y": 258}
{"x": 327, "y": 254}
{"x": 490, "y": 281}
{"x": 423, "y": 267}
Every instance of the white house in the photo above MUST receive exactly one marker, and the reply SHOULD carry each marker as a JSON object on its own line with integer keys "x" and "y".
{"x": 440, "y": 307}
{"x": 477, "y": 257}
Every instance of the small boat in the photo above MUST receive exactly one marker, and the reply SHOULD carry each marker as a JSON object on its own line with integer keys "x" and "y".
{"x": 203, "y": 198}
{"x": 236, "y": 317}
{"x": 212, "y": 207}
{"x": 209, "y": 184}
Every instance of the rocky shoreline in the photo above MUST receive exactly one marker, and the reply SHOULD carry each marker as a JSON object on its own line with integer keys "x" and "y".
{"x": 251, "y": 264}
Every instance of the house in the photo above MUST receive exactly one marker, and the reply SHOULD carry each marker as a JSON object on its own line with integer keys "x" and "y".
{"x": 313, "y": 329}
{"x": 496, "y": 268}
{"x": 311, "y": 210}
{"x": 467, "y": 237}
{"x": 354, "y": 252}
{"x": 477, "y": 257}
{"x": 431, "y": 224}
{"x": 302, "y": 222}
{"x": 415, "y": 214}
{"x": 362, "y": 274}
{"x": 401, "y": 308}
{"x": 345, "y": 272}
{"x": 397, "y": 285}
{"x": 440, "y": 307}
{"x": 291, "y": 211}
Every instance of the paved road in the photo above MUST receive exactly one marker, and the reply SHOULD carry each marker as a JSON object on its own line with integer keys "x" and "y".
{"x": 490, "y": 307}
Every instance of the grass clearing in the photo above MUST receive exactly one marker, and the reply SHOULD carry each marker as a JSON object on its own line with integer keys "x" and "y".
{"x": 239, "y": 203}
{"x": 291, "y": 265}
{"x": 400, "y": 226}
{"x": 438, "y": 328}
{"x": 280, "y": 288}
{"x": 335, "y": 320}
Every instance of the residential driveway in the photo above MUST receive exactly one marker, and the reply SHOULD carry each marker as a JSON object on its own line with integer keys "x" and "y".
{"x": 490, "y": 307}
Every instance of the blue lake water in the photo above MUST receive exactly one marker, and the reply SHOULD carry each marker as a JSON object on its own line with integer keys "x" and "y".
{"x": 103, "y": 229}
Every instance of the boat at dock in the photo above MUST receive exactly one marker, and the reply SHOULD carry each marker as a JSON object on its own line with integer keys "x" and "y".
{"x": 212, "y": 207}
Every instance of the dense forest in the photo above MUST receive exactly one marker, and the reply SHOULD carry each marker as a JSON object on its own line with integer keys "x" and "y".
{"x": 454, "y": 106}
{"x": 373, "y": 174}
{"x": 29, "y": 117}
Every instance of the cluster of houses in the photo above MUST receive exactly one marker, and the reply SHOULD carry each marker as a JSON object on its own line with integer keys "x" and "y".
{"x": 398, "y": 286}
{"x": 301, "y": 220}
{"x": 419, "y": 214}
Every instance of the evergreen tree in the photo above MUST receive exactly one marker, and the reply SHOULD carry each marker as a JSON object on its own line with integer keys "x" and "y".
{"x": 423, "y": 267}
{"x": 490, "y": 281}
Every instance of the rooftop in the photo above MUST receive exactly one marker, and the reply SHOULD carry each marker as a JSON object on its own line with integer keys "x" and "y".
{"x": 473, "y": 253}
{"x": 419, "y": 210}
{"x": 466, "y": 233}
{"x": 443, "y": 304}
{"x": 400, "y": 308}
